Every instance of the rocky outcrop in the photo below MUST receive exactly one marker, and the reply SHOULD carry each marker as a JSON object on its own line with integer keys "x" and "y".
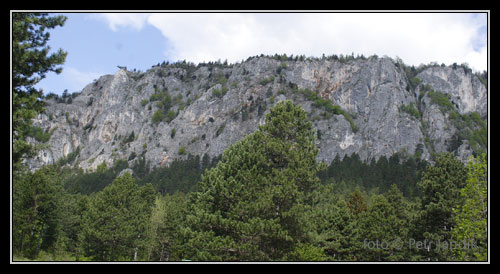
{"x": 170, "y": 111}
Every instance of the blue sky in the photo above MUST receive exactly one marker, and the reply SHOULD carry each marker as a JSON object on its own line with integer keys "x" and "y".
{"x": 98, "y": 42}
{"x": 94, "y": 50}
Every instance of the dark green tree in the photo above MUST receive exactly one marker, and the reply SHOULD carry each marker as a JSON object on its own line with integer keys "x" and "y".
{"x": 384, "y": 227}
{"x": 332, "y": 226}
{"x": 250, "y": 206}
{"x": 113, "y": 227}
{"x": 36, "y": 205}
{"x": 30, "y": 63}
{"x": 440, "y": 186}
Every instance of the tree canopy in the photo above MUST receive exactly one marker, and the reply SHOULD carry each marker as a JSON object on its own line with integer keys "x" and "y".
{"x": 248, "y": 207}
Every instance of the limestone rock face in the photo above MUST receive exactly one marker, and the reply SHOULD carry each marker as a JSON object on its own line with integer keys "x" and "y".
{"x": 213, "y": 106}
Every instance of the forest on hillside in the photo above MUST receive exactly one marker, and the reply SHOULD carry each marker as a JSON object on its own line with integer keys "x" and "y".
{"x": 266, "y": 199}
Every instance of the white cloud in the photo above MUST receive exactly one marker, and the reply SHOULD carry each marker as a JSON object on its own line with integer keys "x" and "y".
{"x": 115, "y": 20}
{"x": 76, "y": 80}
{"x": 415, "y": 37}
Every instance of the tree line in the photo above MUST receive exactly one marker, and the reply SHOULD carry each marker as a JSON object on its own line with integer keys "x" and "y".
{"x": 262, "y": 201}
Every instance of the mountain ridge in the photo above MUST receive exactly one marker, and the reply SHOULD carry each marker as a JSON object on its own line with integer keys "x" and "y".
{"x": 370, "y": 106}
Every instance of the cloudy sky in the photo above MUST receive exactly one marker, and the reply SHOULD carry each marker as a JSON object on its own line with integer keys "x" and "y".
{"x": 98, "y": 42}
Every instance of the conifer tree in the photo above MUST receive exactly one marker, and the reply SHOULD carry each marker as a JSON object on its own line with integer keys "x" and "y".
{"x": 36, "y": 205}
{"x": 332, "y": 226}
{"x": 440, "y": 186}
{"x": 30, "y": 63}
{"x": 357, "y": 203}
{"x": 249, "y": 206}
{"x": 114, "y": 224}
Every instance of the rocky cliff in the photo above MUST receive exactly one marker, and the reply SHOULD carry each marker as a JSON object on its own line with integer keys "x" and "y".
{"x": 369, "y": 106}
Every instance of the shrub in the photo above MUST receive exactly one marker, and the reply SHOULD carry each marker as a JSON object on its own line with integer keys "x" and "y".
{"x": 410, "y": 109}
{"x": 219, "y": 93}
{"x": 39, "y": 134}
{"x": 158, "y": 116}
{"x": 441, "y": 99}
{"x": 267, "y": 80}
{"x": 182, "y": 150}
{"x": 170, "y": 116}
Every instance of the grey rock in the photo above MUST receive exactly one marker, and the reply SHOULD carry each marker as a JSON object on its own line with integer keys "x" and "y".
{"x": 111, "y": 118}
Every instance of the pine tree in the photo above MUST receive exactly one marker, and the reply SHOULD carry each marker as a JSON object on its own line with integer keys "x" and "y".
{"x": 30, "y": 63}
{"x": 249, "y": 206}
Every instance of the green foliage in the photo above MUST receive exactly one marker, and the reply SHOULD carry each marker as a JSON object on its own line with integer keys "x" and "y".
{"x": 441, "y": 99}
{"x": 440, "y": 187}
{"x": 327, "y": 106}
{"x": 354, "y": 127}
{"x": 332, "y": 226}
{"x": 357, "y": 203}
{"x": 179, "y": 176}
{"x": 410, "y": 109}
{"x": 378, "y": 174}
{"x": 483, "y": 77}
{"x": 469, "y": 127}
{"x": 115, "y": 219}
{"x": 170, "y": 116}
{"x": 31, "y": 61}
{"x": 249, "y": 205}
{"x": 36, "y": 209}
{"x": 158, "y": 116}
{"x": 267, "y": 80}
{"x": 165, "y": 103}
{"x": 163, "y": 229}
{"x": 82, "y": 182}
{"x": 472, "y": 216}
{"x": 219, "y": 93}
{"x": 161, "y": 116}
{"x": 70, "y": 158}
{"x": 39, "y": 134}
{"x": 182, "y": 150}
{"x": 260, "y": 202}
{"x": 305, "y": 252}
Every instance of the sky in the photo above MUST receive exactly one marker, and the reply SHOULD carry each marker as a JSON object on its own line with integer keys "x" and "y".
{"x": 99, "y": 42}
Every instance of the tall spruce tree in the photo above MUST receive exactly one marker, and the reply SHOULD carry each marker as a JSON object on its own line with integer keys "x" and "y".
{"x": 249, "y": 207}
